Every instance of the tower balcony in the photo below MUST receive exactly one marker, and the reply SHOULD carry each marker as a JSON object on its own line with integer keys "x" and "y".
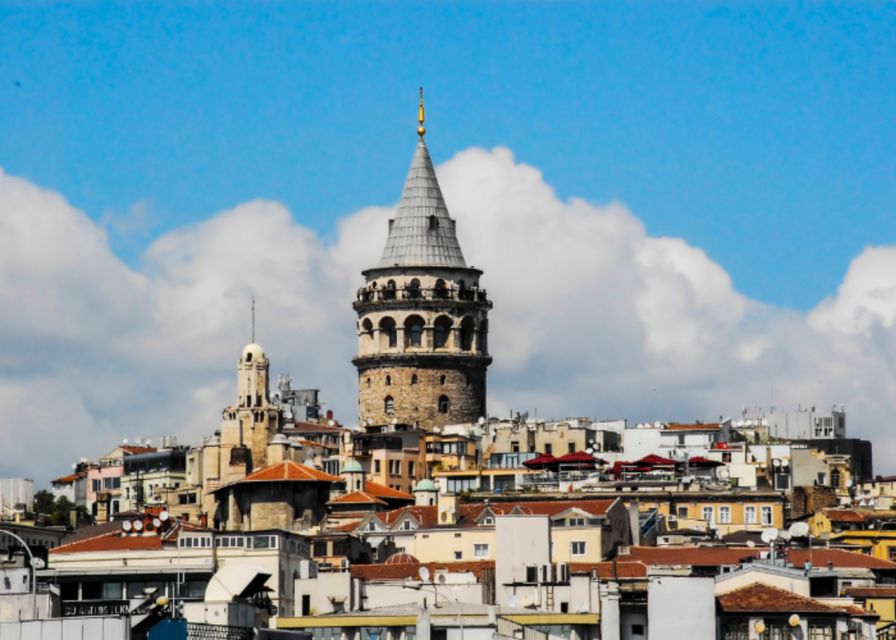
{"x": 368, "y": 299}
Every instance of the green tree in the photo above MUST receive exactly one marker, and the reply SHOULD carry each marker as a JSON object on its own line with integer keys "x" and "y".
{"x": 44, "y": 502}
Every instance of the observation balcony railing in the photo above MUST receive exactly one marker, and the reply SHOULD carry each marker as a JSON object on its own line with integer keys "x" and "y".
{"x": 418, "y": 293}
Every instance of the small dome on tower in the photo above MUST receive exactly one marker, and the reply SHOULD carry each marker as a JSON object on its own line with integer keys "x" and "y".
{"x": 279, "y": 439}
{"x": 425, "y": 485}
{"x": 252, "y": 353}
{"x": 352, "y": 466}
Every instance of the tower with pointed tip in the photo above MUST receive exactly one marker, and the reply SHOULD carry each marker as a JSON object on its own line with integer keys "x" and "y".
{"x": 422, "y": 316}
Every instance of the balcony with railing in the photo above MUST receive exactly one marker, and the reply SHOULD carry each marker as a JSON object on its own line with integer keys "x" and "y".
{"x": 417, "y": 294}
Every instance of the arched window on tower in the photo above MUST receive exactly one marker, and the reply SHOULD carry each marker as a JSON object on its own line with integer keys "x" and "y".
{"x": 388, "y": 333}
{"x": 442, "y": 379}
{"x": 389, "y": 291}
{"x": 441, "y": 291}
{"x": 467, "y": 329}
{"x": 389, "y": 405}
{"x": 441, "y": 331}
{"x": 413, "y": 331}
{"x": 388, "y": 381}
{"x": 414, "y": 379}
{"x": 414, "y": 288}
{"x": 443, "y": 404}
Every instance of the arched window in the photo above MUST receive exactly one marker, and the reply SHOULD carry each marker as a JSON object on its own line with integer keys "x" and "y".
{"x": 440, "y": 290}
{"x": 388, "y": 333}
{"x": 413, "y": 331}
{"x": 414, "y": 288}
{"x": 443, "y": 404}
{"x": 441, "y": 331}
{"x": 389, "y": 291}
{"x": 442, "y": 379}
{"x": 367, "y": 326}
{"x": 467, "y": 329}
{"x": 389, "y": 405}
{"x": 414, "y": 379}
{"x": 249, "y": 357}
{"x": 388, "y": 381}
{"x": 368, "y": 382}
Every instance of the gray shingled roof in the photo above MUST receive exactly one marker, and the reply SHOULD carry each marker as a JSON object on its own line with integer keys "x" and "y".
{"x": 422, "y": 233}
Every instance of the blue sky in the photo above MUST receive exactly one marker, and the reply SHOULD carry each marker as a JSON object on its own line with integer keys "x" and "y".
{"x": 763, "y": 135}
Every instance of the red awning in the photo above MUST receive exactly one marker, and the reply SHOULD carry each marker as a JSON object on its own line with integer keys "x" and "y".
{"x": 541, "y": 462}
{"x": 654, "y": 460}
{"x": 578, "y": 456}
{"x": 700, "y": 461}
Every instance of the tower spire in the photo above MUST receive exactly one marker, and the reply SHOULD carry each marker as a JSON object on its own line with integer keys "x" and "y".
{"x": 421, "y": 130}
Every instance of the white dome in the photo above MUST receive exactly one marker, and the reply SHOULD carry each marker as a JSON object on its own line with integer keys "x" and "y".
{"x": 252, "y": 353}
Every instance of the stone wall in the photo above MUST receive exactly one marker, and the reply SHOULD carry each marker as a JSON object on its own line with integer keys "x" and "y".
{"x": 418, "y": 403}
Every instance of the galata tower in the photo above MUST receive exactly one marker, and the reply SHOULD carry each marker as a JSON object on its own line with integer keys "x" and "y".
{"x": 422, "y": 316}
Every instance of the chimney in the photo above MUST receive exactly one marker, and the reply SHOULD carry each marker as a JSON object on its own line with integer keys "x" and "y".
{"x": 447, "y": 507}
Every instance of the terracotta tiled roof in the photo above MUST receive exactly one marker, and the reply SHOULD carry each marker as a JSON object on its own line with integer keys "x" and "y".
{"x": 289, "y": 471}
{"x": 605, "y": 570}
{"x": 762, "y": 598}
{"x": 66, "y": 479}
{"x": 696, "y": 426}
{"x": 382, "y": 491}
{"x": 313, "y": 427}
{"x": 132, "y": 449}
{"x": 468, "y": 513}
{"x": 721, "y": 556}
{"x": 405, "y": 571}
{"x": 115, "y": 541}
{"x": 357, "y": 497}
{"x": 844, "y": 515}
{"x": 871, "y": 592}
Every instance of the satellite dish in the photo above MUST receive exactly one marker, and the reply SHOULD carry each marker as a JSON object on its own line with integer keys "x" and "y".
{"x": 164, "y": 516}
{"x": 589, "y": 451}
{"x": 332, "y": 423}
{"x": 784, "y": 535}
{"x": 157, "y": 522}
{"x": 126, "y": 526}
{"x": 769, "y": 535}
{"x": 424, "y": 574}
{"x": 776, "y": 463}
{"x": 442, "y": 579}
{"x": 750, "y": 544}
{"x": 38, "y": 563}
{"x": 481, "y": 420}
{"x": 124, "y": 441}
{"x": 138, "y": 525}
{"x": 799, "y": 530}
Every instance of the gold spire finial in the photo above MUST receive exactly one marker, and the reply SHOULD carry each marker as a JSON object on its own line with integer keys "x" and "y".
{"x": 421, "y": 130}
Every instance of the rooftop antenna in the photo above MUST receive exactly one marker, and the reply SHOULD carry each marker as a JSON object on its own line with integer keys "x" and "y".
{"x": 253, "y": 320}
{"x": 421, "y": 130}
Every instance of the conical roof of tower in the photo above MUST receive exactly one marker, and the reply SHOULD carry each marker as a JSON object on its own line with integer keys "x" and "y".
{"x": 422, "y": 233}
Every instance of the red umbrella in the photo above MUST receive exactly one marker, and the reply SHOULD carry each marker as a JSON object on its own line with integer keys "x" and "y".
{"x": 700, "y": 461}
{"x": 578, "y": 458}
{"x": 542, "y": 461}
{"x": 654, "y": 460}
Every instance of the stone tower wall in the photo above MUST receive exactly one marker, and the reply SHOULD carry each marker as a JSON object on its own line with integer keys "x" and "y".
{"x": 418, "y": 402}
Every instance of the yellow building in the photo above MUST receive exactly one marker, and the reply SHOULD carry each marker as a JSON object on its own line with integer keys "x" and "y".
{"x": 585, "y": 530}
{"x": 878, "y": 544}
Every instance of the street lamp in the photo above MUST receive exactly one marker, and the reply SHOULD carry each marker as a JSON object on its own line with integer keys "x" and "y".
{"x": 35, "y": 563}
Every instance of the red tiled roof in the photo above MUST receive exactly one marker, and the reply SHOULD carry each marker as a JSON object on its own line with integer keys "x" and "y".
{"x": 66, "y": 479}
{"x": 382, "y": 491}
{"x": 605, "y": 570}
{"x": 720, "y": 556}
{"x": 844, "y": 515}
{"x": 871, "y": 592}
{"x": 132, "y": 449}
{"x": 468, "y": 513}
{"x": 116, "y": 541}
{"x": 289, "y": 471}
{"x": 762, "y": 598}
{"x": 405, "y": 571}
{"x": 313, "y": 427}
{"x": 357, "y": 497}
{"x": 695, "y": 426}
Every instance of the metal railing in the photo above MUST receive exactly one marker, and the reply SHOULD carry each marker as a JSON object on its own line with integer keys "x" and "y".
{"x": 410, "y": 293}
{"x": 510, "y": 629}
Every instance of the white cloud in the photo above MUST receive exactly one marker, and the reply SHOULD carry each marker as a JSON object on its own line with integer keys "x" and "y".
{"x": 592, "y": 316}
